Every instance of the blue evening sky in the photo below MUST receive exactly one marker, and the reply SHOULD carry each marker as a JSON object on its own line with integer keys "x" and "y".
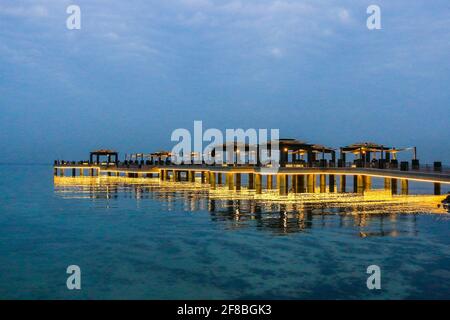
{"x": 137, "y": 70}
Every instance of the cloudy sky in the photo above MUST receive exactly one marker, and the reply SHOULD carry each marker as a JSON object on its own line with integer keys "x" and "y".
{"x": 137, "y": 70}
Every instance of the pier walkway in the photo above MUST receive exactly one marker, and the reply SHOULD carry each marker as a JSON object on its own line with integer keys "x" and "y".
{"x": 291, "y": 177}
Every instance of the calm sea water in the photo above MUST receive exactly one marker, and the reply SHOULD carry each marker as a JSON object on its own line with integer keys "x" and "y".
{"x": 147, "y": 242}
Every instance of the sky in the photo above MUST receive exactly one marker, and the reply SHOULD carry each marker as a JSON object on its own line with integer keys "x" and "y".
{"x": 137, "y": 70}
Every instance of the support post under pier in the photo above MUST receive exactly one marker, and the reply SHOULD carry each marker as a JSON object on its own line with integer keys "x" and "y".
{"x": 251, "y": 181}
{"x": 323, "y": 183}
{"x": 405, "y": 187}
{"x": 238, "y": 181}
{"x": 331, "y": 182}
{"x": 387, "y": 184}
{"x": 282, "y": 184}
{"x": 343, "y": 183}
{"x": 269, "y": 182}
{"x": 311, "y": 183}
{"x": 203, "y": 177}
{"x": 212, "y": 180}
{"x": 294, "y": 184}
{"x": 437, "y": 188}
{"x": 358, "y": 184}
{"x": 394, "y": 188}
{"x": 230, "y": 181}
{"x": 258, "y": 183}
{"x": 367, "y": 183}
{"x": 191, "y": 176}
{"x": 301, "y": 183}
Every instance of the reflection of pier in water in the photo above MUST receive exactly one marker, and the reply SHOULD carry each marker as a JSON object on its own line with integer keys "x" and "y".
{"x": 282, "y": 219}
{"x": 241, "y": 209}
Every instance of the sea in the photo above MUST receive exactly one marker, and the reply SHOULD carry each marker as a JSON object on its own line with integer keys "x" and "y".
{"x": 150, "y": 239}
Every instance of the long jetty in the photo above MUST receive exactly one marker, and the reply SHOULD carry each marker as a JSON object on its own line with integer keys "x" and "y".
{"x": 300, "y": 171}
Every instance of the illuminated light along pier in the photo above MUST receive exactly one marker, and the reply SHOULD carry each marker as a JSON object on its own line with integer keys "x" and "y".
{"x": 304, "y": 168}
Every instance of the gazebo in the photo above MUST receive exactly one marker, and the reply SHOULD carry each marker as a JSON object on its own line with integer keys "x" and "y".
{"x": 235, "y": 153}
{"x": 110, "y": 154}
{"x": 161, "y": 157}
{"x": 366, "y": 152}
{"x": 293, "y": 151}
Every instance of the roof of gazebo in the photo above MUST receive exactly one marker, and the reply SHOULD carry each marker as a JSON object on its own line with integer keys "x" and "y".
{"x": 322, "y": 148}
{"x": 290, "y": 141}
{"x": 161, "y": 153}
{"x": 235, "y": 144}
{"x": 365, "y": 146}
{"x": 103, "y": 152}
{"x": 300, "y": 145}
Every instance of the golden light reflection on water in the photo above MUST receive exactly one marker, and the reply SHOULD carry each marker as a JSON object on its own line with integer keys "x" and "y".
{"x": 373, "y": 214}
{"x": 107, "y": 187}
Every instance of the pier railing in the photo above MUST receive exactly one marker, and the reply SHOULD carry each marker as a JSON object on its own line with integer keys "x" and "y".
{"x": 436, "y": 167}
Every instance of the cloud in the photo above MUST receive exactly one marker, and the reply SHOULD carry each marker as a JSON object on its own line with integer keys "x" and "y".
{"x": 112, "y": 36}
{"x": 197, "y": 4}
{"x": 260, "y": 52}
{"x": 276, "y": 52}
{"x": 244, "y": 29}
{"x": 344, "y": 15}
{"x": 34, "y": 11}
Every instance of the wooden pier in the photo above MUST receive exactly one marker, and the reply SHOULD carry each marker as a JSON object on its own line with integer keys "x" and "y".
{"x": 294, "y": 179}
{"x": 297, "y": 175}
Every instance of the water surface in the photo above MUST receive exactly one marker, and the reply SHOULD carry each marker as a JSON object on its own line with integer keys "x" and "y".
{"x": 153, "y": 241}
